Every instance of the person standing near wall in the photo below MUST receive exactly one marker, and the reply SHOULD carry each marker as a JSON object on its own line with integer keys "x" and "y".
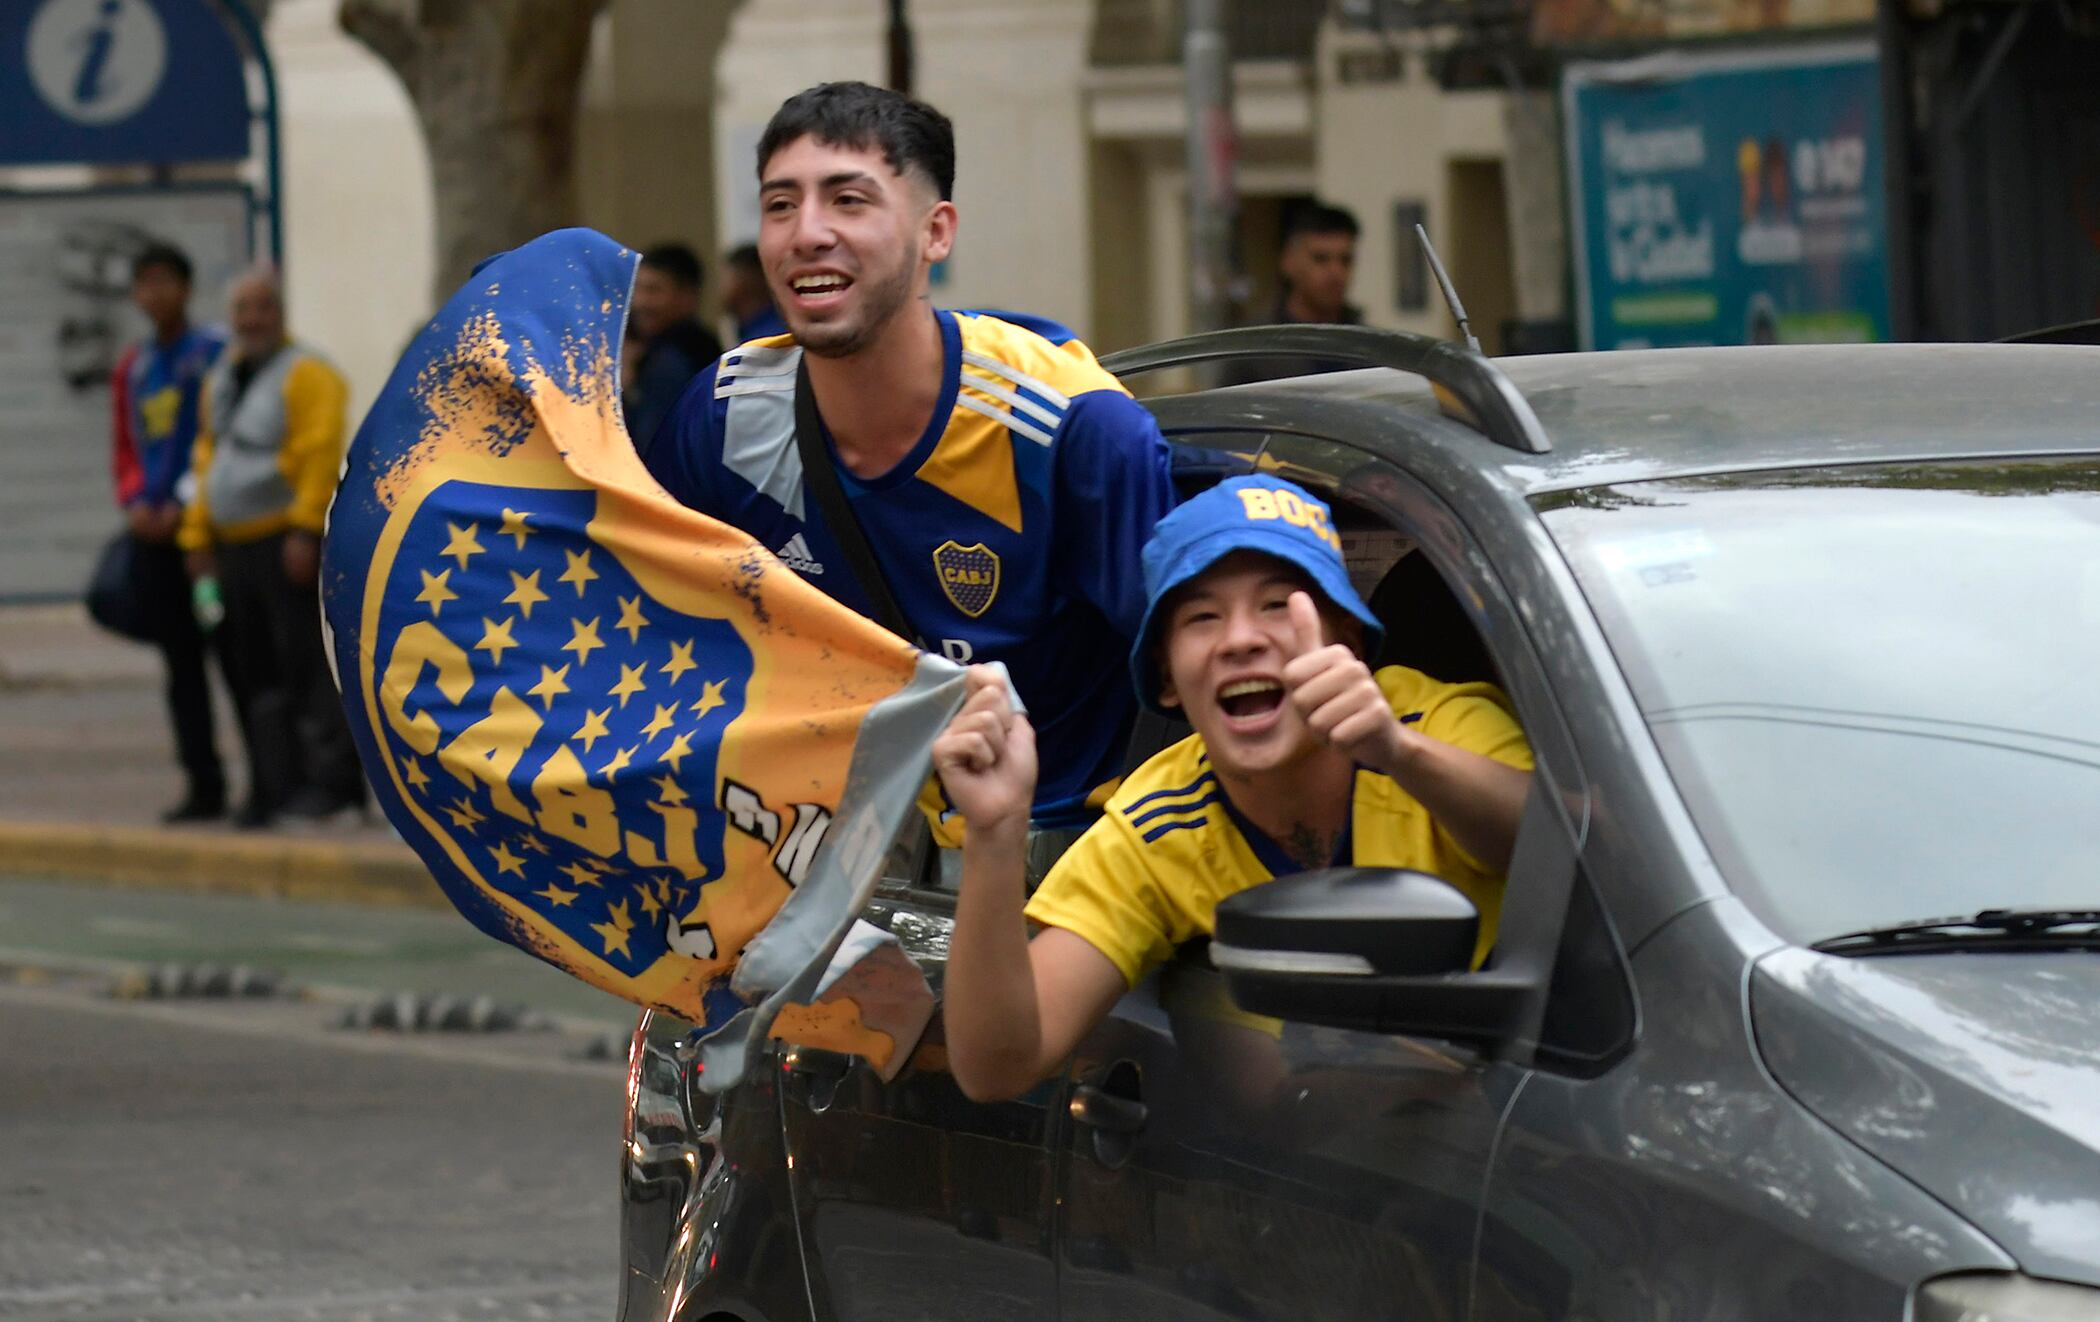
{"x": 267, "y": 457}
{"x": 1312, "y": 276}
{"x": 155, "y": 391}
{"x": 746, "y": 298}
{"x": 665, "y": 318}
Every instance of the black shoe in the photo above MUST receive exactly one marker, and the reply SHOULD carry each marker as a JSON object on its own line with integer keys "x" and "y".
{"x": 196, "y": 807}
{"x": 253, "y": 816}
{"x": 313, "y": 802}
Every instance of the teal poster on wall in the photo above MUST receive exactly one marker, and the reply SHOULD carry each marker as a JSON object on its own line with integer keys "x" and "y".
{"x": 1732, "y": 198}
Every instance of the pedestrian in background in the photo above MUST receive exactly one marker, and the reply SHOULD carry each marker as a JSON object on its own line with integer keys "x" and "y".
{"x": 267, "y": 456}
{"x": 664, "y": 315}
{"x": 746, "y": 298}
{"x": 1312, "y": 286}
{"x": 155, "y": 391}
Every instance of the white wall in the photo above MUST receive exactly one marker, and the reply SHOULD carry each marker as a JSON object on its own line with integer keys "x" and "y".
{"x": 357, "y": 205}
{"x": 1007, "y": 72}
{"x": 645, "y": 161}
{"x": 1380, "y": 143}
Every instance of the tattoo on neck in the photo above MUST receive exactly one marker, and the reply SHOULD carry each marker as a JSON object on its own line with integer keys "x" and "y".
{"x": 1308, "y": 848}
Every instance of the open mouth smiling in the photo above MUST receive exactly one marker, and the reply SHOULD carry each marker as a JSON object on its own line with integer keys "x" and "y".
{"x": 1248, "y": 702}
{"x": 820, "y": 287}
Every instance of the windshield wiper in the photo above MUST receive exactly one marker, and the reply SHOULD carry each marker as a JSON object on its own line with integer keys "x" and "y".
{"x": 2002, "y": 929}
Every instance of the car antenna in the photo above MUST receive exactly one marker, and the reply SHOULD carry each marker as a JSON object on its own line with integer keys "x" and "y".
{"x": 1443, "y": 280}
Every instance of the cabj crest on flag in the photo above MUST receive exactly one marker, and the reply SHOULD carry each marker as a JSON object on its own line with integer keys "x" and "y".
{"x": 623, "y": 736}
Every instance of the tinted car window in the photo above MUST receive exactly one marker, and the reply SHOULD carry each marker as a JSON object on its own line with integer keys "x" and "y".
{"x": 1874, "y": 685}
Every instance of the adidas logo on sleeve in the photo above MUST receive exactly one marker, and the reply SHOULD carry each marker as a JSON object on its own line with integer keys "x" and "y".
{"x": 797, "y": 557}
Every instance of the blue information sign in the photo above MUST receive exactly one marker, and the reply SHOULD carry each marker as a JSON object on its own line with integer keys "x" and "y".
{"x": 1736, "y": 198}
{"x": 119, "y": 81}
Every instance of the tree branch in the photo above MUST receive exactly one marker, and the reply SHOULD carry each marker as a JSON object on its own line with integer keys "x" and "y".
{"x": 387, "y": 30}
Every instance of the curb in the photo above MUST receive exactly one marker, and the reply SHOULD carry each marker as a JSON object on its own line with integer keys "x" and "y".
{"x": 220, "y": 862}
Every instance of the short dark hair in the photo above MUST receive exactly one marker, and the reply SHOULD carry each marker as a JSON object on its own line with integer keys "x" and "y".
{"x": 913, "y": 136}
{"x": 1320, "y": 218}
{"x": 744, "y": 257}
{"x": 679, "y": 262}
{"x": 166, "y": 256}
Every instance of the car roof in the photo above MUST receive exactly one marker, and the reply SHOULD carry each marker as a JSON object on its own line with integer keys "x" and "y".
{"x": 1642, "y": 414}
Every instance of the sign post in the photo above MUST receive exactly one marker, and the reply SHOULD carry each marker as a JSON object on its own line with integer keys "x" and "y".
{"x": 130, "y": 89}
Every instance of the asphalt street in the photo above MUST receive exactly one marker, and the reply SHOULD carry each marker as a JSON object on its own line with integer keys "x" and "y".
{"x": 251, "y": 1159}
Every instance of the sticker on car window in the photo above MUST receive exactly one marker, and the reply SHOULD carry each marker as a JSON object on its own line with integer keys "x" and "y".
{"x": 1657, "y": 559}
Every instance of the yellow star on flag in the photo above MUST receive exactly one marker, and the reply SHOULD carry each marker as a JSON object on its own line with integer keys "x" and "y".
{"x": 553, "y": 683}
{"x": 532, "y": 843}
{"x": 710, "y": 697}
{"x": 463, "y": 815}
{"x": 618, "y": 912}
{"x": 507, "y": 861}
{"x": 579, "y": 875}
{"x": 680, "y": 749}
{"x": 525, "y": 592}
{"x": 514, "y": 525}
{"x": 650, "y": 907}
{"x": 619, "y": 762}
{"x": 668, "y": 787}
{"x": 630, "y": 683}
{"x": 583, "y": 639}
{"x": 681, "y": 660}
{"x": 556, "y": 896}
{"x": 631, "y": 618}
{"x": 615, "y": 937}
{"x": 412, "y": 771}
{"x": 464, "y": 546}
{"x": 496, "y": 639}
{"x": 659, "y": 722}
{"x": 579, "y": 571}
{"x": 435, "y": 594}
{"x": 593, "y": 728}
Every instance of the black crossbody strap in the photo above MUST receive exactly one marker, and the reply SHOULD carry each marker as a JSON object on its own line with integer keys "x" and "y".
{"x": 821, "y": 481}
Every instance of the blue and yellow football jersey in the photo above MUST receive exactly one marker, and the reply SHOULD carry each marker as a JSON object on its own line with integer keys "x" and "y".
{"x": 1148, "y": 876}
{"x": 1010, "y": 533}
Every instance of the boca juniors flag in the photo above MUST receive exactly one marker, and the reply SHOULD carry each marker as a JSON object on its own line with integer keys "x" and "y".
{"x": 622, "y": 735}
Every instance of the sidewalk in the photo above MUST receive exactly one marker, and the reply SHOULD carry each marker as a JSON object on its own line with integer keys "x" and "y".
{"x": 87, "y": 765}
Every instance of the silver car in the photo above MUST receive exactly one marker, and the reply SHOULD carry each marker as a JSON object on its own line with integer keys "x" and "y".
{"x": 1794, "y": 1010}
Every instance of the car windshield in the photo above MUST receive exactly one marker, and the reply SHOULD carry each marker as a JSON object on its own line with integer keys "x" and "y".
{"x": 1877, "y": 687}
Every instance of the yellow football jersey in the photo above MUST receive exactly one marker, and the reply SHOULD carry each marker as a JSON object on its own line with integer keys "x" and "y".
{"x": 1149, "y": 874}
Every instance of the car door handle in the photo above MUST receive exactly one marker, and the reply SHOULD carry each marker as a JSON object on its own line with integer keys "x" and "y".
{"x": 1099, "y": 1109}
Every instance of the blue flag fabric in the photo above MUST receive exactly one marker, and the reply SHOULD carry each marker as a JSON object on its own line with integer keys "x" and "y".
{"x": 623, "y": 736}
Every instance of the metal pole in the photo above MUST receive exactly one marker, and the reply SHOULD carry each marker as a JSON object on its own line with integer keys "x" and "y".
{"x": 1213, "y": 148}
{"x": 900, "y": 48}
{"x": 273, "y": 162}
{"x": 1909, "y": 310}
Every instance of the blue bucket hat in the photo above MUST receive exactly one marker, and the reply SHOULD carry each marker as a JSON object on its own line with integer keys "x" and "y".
{"x": 1254, "y": 513}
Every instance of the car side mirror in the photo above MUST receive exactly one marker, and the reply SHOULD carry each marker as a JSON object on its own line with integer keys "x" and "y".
{"x": 1382, "y": 950}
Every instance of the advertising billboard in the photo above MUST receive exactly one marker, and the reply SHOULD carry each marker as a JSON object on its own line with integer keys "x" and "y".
{"x": 1731, "y": 198}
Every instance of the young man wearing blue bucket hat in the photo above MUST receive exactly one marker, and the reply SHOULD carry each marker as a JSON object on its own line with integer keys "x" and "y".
{"x": 1302, "y": 758}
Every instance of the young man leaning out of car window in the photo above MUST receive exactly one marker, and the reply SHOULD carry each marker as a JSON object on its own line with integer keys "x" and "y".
{"x": 1302, "y": 759}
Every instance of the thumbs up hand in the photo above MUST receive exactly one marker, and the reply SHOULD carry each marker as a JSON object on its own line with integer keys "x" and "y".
{"x": 1334, "y": 694}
